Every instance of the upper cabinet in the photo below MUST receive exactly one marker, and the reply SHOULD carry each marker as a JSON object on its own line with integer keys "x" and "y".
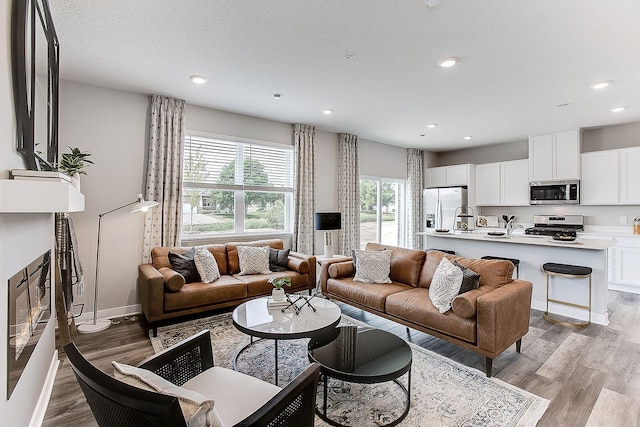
{"x": 555, "y": 156}
{"x": 503, "y": 184}
{"x": 611, "y": 177}
{"x": 450, "y": 176}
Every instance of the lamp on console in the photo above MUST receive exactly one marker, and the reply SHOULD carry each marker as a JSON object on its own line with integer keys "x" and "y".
{"x": 138, "y": 205}
{"x": 327, "y": 222}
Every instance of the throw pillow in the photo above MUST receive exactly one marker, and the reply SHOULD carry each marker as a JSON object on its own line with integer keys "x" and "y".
{"x": 445, "y": 285}
{"x": 253, "y": 260}
{"x": 278, "y": 259}
{"x": 206, "y": 265}
{"x": 196, "y": 408}
{"x": 184, "y": 264}
{"x": 372, "y": 266}
{"x": 470, "y": 279}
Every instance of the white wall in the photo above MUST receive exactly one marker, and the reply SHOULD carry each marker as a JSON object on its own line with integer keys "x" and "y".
{"x": 23, "y": 237}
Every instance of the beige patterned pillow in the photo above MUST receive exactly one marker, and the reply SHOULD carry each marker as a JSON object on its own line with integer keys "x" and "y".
{"x": 253, "y": 260}
{"x": 372, "y": 266}
{"x": 206, "y": 265}
{"x": 445, "y": 285}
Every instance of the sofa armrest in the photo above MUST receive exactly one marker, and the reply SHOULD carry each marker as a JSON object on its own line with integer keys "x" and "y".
{"x": 338, "y": 270}
{"x": 151, "y": 291}
{"x": 311, "y": 259}
{"x": 503, "y": 316}
{"x": 324, "y": 273}
{"x": 182, "y": 361}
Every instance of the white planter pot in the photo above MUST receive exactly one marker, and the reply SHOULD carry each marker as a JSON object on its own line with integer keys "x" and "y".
{"x": 277, "y": 294}
{"x": 75, "y": 181}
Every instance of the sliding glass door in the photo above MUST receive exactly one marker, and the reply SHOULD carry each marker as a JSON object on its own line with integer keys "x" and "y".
{"x": 382, "y": 204}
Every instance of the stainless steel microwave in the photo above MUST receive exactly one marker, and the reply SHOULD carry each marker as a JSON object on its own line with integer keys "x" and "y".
{"x": 554, "y": 192}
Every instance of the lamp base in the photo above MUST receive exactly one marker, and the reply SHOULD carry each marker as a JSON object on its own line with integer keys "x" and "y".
{"x": 90, "y": 328}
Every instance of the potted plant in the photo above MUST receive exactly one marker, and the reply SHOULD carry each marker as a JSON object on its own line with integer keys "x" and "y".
{"x": 278, "y": 282}
{"x": 73, "y": 164}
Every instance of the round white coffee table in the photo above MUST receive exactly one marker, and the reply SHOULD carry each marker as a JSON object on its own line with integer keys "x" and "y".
{"x": 256, "y": 319}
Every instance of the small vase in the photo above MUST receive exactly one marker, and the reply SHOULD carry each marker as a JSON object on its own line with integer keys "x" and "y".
{"x": 277, "y": 294}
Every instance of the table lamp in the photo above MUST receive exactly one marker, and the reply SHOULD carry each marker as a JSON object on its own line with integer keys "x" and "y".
{"x": 327, "y": 222}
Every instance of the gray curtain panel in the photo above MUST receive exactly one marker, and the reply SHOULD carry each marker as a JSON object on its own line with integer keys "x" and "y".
{"x": 349, "y": 193}
{"x": 164, "y": 173}
{"x": 414, "y": 198}
{"x": 304, "y": 191}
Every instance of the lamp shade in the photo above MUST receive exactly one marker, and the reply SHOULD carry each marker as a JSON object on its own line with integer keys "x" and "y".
{"x": 142, "y": 205}
{"x": 327, "y": 221}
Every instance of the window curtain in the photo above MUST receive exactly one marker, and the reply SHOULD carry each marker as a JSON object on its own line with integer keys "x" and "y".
{"x": 414, "y": 198}
{"x": 304, "y": 143}
{"x": 349, "y": 193}
{"x": 164, "y": 173}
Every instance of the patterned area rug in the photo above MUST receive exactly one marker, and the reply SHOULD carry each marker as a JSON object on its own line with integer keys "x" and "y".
{"x": 443, "y": 392}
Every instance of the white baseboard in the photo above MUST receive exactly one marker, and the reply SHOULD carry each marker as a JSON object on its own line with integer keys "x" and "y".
{"x": 43, "y": 401}
{"x": 624, "y": 288}
{"x": 576, "y": 313}
{"x": 127, "y": 310}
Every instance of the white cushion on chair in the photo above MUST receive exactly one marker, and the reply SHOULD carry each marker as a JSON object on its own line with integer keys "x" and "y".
{"x": 237, "y": 395}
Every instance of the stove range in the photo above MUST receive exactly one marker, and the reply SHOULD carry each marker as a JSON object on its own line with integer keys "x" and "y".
{"x": 556, "y": 225}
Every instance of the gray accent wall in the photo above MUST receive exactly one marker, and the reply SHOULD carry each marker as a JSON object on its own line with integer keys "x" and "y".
{"x": 516, "y": 150}
{"x": 610, "y": 137}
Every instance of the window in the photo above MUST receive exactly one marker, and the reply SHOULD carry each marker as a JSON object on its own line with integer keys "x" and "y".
{"x": 235, "y": 187}
{"x": 381, "y": 211}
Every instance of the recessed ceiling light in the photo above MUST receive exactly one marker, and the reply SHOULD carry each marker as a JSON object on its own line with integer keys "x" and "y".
{"x": 348, "y": 57}
{"x": 277, "y": 96}
{"x": 618, "y": 109}
{"x": 198, "y": 79}
{"x": 467, "y": 137}
{"x": 600, "y": 85}
{"x": 327, "y": 112}
{"x": 448, "y": 62}
{"x": 432, "y": 125}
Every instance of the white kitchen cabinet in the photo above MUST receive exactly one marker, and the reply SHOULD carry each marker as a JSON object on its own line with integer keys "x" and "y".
{"x": 503, "y": 183}
{"x": 629, "y": 175}
{"x": 555, "y": 156}
{"x": 514, "y": 183}
{"x": 625, "y": 260}
{"x": 450, "y": 176}
{"x": 488, "y": 184}
{"x": 599, "y": 185}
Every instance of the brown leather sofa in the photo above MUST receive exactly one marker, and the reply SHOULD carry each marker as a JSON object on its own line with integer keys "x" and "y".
{"x": 164, "y": 296}
{"x": 487, "y": 320}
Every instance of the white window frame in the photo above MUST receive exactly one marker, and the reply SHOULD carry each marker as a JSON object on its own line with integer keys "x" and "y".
{"x": 401, "y": 203}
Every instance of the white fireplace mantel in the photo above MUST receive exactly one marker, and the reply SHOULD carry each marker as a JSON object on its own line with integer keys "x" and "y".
{"x": 38, "y": 196}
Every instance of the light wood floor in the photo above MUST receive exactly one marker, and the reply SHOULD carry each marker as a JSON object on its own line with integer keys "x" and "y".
{"x": 591, "y": 375}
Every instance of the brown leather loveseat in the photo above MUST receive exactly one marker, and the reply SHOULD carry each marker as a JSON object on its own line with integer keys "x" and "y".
{"x": 487, "y": 320}
{"x": 165, "y": 296}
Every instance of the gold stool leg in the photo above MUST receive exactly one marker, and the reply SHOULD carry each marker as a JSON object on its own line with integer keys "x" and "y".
{"x": 576, "y": 324}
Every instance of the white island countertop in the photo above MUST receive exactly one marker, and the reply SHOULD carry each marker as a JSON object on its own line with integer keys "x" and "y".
{"x": 524, "y": 239}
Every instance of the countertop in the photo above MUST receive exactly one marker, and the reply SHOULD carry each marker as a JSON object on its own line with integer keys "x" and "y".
{"x": 524, "y": 239}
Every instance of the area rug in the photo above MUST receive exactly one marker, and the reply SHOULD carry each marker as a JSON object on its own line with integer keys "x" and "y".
{"x": 443, "y": 392}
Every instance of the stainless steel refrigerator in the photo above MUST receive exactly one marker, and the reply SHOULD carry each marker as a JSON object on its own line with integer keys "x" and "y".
{"x": 440, "y": 206}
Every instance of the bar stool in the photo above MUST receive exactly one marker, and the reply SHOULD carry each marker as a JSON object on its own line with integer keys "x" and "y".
{"x": 514, "y": 261}
{"x": 572, "y": 272}
{"x": 446, "y": 251}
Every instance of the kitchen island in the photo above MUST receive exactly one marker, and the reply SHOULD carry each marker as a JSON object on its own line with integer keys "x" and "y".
{"x": 533, "y": 252}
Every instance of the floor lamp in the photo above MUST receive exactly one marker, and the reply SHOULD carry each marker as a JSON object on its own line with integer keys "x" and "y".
{"x": 327, "y": 222}
{"x": 138, "y": 205}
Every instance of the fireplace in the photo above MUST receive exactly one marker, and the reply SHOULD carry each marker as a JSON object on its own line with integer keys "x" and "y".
{"x": 29, "y": 312}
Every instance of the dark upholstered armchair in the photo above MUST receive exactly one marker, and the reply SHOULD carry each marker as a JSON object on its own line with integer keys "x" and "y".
{"x": 116, "y": 403}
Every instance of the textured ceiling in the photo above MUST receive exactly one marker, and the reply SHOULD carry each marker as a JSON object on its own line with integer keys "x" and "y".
{"x": 519, "y": 59}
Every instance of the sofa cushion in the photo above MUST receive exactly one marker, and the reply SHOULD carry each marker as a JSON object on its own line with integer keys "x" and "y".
{"x": 278, "y": 259}
{"x": 253, "y": 260}
{"x": 206, "y": 265}
{"x": 195, "y": 406}
{"x": 257, "y": 284}
{"x": 183, "y": 263}
{"x": 232, "y": 252}
{"x": 466, "y": 304}
{"x": 414, "y": 305}
{"x": 370, "y": 295}
{"x": 173, "y": 281}
{"x": 192, "y": 295}
{"x": 445, "y": 285}
{"x": 470, "y": 279}
{"x": 160, "y": 256}
{"x": 372, "y": 266}
{"x": 493, "y": 273}
{"x": 405, "y": 263}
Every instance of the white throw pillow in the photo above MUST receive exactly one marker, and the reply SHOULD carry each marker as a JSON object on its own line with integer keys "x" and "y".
{"x": 372, "y": 266}
{"x": 445, "y": 285}
{"x": 253, "y": 260}
{"x": 198, "y": 410}
{"x": 206, "y": 265}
